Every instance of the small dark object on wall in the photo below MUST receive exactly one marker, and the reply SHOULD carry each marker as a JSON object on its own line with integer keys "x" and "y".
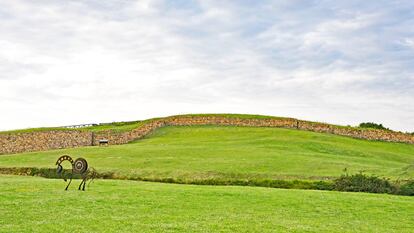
{"x": 79, "y": 166}
{"x": 103, "y": 142}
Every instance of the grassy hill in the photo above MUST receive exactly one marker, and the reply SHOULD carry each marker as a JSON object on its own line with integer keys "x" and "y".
{"x": 236, "y": 153}
{"x": 212, "y": 155}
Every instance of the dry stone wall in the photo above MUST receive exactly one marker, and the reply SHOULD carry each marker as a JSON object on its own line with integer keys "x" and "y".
{"x": 36, "y": 141}
{"x": 367, "y": 134}
{"x": 44, "y": 140}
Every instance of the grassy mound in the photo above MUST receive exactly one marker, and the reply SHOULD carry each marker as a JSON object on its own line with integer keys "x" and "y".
{"x": 236, "y": 154}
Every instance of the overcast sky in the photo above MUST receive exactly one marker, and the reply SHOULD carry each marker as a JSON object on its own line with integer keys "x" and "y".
{"x": 70, "y": 62}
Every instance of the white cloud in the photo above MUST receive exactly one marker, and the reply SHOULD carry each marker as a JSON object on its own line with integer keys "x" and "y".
{"x": 91, "y": 61}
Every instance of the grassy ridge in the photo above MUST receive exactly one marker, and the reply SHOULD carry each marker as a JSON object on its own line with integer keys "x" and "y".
{"x": 130, "y": 125}
{"x": 32, "y": 130}
{"x": 236, "y": 153}
{"x": 40, "y": 205}
{"x": 114, "y": 126}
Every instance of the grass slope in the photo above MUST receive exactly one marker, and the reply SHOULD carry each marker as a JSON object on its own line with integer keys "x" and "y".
{"x": 237, "y": 153}
{"x": 31, "y": 204}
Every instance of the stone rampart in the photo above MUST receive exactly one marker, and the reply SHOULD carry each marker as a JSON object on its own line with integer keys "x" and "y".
{"x": 43, "y": 140}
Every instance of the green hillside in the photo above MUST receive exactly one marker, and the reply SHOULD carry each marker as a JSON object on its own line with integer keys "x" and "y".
{"x": 237, "y": 153}
{"x": 219, "y": 155}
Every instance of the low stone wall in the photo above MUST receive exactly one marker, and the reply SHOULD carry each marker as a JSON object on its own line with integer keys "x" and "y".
{"x": 44, "y": 140}
{"x": 217, "y": 120}
{"x": 367, "y": 134}
{"x": 36, "y": 141}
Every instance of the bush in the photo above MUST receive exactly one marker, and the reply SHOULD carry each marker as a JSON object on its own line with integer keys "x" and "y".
{"x": 372, "y": 125}
{"x": 363, "y": 183}
{"x": 407, "y": 189}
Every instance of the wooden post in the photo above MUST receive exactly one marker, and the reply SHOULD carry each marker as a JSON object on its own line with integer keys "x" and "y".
{"x": 93, "y": 139}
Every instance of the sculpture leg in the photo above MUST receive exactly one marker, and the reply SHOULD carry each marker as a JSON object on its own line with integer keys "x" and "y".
{"x": 80, "y": 185}
{"x": 70, "y": 181}
{"x": 84, "y": 183}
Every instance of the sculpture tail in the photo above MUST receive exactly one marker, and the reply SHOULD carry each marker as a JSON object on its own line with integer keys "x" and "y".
{"x": 93, "y": 174}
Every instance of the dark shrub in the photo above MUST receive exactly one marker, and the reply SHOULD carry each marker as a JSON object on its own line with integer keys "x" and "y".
{"x": 407, "y": 189}
{"x": 372, "y": 125}
{"x": 363, "y": 183}
{"x": 323, "y": 185}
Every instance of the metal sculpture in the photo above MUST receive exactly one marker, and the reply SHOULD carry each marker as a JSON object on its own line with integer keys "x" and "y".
{"x": 79, "y": 166}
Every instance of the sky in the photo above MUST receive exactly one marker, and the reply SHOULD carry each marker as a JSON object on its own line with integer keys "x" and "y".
{"x": 73, "y": 62}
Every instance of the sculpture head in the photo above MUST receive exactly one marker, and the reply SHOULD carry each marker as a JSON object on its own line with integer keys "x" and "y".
{"x": 59, "y": 169}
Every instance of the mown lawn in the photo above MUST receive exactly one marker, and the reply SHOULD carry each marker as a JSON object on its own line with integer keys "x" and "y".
{"x": 200, "y": 152}
{"x": 30, "y": 204}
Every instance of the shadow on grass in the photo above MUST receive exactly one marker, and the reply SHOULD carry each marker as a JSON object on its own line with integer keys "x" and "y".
{"x": 287, "y": 184}
{"x": 348, "y": 183}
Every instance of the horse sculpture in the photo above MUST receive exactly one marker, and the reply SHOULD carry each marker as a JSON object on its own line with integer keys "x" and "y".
{"x": 79, "y": 166}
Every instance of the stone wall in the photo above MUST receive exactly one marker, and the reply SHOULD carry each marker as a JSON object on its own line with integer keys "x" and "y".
{"x": 43, "y": 140}
{"x": 36, "y": 141}
{"x": 367, "y": 134}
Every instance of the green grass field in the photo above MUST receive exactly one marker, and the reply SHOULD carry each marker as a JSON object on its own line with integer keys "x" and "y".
{"x": 199, "y": 153}
{"x": 30, "y": 204}
{"x": 204, "y": 152}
